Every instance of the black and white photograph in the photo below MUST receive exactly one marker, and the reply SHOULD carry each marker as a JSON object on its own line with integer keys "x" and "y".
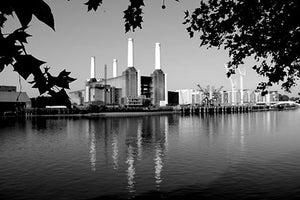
{"x": 149, "y": 99}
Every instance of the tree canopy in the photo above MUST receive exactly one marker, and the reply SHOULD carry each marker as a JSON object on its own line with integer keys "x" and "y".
{"x": 267, "y": 30}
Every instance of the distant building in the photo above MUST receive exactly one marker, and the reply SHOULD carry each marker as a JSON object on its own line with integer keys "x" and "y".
{"x": 227, "y": 98}
{"x": 190, "y": 97}
{"x": 77, "y": 97}
{"x": 11, "y": 100}
{"x": 173, "y": 98}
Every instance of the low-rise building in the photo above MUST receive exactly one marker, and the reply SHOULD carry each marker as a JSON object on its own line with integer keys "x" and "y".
{"x": 11, "y": 100}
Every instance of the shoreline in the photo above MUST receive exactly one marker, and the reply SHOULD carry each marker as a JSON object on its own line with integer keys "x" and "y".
{"x": 188, "y": 111}
{"x": 108, "y": 114}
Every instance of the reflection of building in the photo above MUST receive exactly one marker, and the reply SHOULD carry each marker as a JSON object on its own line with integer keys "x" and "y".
{"x": 129, "y": 88}
{"x": 11, "y": 100}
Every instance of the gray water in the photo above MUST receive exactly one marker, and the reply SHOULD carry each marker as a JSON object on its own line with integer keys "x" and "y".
{"x": 235, "y": 156}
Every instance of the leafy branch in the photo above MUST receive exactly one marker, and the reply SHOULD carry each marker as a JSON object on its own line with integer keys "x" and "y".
{"x": 265, "y": 30}
{"x": 13, "y": 51}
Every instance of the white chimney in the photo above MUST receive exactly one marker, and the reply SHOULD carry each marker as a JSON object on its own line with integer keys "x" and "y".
{"x": 130, "y": 52}
{"x": 93, "y": 72}
{"x": 157, "y": 56}
{"x": 139, "y": 82}
{"x": 115, "y": 68}
{"x": 87, "y": 94}
{"x": 166, "y": 90}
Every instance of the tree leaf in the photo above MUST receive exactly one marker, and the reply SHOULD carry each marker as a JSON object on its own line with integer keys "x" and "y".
{"x": 43, "y": 12}
{"x": 19, "y": 35}
{"x": 40, "y": 83}
{"x": 133, "y": 15}
{"x": 63, "y": 79}
{"x": 25, "y": 9}
{"x": 93, "y": 4}
{"x": 4, "y": 61}
{"x": 26, "y": 65}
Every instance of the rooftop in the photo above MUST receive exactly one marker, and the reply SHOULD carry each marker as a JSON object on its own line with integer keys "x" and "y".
{"x": 13, "y": 97}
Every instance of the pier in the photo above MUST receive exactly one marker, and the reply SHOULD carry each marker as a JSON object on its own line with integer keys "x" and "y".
{"x": 196, "y": 110}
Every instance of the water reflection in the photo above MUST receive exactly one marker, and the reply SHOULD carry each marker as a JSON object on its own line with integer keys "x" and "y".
{"x": 135, "y": 155}
{"x": 131, "y": 169}
{"x": 158, "y": 160}
{"x": 115, "y": 154}
{"x": 142, "y": 140}
{"x": 242, "y": 134}
{"x": 90, "y": 131}
{"x": 139, "y": 139}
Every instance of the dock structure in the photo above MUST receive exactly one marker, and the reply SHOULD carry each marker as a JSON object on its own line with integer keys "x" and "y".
{"x": 196, "y": 110}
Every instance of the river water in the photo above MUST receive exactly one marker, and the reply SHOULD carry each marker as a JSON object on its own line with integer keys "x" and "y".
{"x": 223, "y": 156}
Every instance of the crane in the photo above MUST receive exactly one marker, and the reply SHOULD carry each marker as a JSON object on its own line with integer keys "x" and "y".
{"x": 242, "y": 74}
{"x": 211, "y": 94}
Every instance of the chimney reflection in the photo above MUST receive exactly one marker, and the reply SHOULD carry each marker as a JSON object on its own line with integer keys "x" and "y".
{"x": 166, "y": 133}
{"x": 242, "y": 132}
{"x": 139, "y": 139}
{"x": 115, "y": 151}
{"x": 92, "y": 144}
{"x": 147, "y": 134}
{"x": 158, "y": 165}
{"x": 160, "y": 130}
{"x": 130, "y": 169}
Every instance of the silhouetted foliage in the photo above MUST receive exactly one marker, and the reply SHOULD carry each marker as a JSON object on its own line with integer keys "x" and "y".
{"x": 93, "y": 4}
{"x": 13, "y": 52}
{"x": 267, "y": 30}
{"x": 283, "y": 97}
{"x": 133, "y": 15}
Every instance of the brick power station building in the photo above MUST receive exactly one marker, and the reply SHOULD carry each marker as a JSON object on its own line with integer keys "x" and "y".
{"x": 129, "y": 88}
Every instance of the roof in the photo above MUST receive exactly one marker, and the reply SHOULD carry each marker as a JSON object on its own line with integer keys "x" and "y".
{"x": 14, "y": 97}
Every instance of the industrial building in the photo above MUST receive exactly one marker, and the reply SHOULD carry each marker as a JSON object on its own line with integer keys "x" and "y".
{"x": 11, "y": 100}
{"x": 129, "y": 88}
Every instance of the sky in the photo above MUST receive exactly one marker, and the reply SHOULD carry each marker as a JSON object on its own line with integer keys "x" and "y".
{"x": 80, "y": 34}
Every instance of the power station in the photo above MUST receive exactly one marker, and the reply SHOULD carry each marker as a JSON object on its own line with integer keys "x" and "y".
{"x": 128, "y": 88}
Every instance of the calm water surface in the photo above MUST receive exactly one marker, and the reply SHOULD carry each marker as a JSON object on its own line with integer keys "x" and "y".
{"x": 238, "y": 156}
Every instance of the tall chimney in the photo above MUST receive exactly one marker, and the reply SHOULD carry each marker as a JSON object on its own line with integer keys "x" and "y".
{"x": 93, "y": 72}
{"x": 157, "y": 56}
{"x": 115, "y": 68}
{"x": 166, "y": 90}
{"x": 139, "y": 82}
{"x": 130, "y": 52}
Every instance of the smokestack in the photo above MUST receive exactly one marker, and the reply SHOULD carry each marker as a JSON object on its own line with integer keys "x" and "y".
{"x": 93, "y": 72}
{"x": 130, "y": 52}
{"x": 157, "y": 56}
{"x": 115, "y": 68}
{"x": 166, "y": 90}
{"x": 87, "y": 94}
{"x": 139, "y": 82}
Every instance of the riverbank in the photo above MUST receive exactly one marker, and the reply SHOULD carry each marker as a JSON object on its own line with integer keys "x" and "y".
{"x": 184, "y": 110}
{"x": 108, "y": 114}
